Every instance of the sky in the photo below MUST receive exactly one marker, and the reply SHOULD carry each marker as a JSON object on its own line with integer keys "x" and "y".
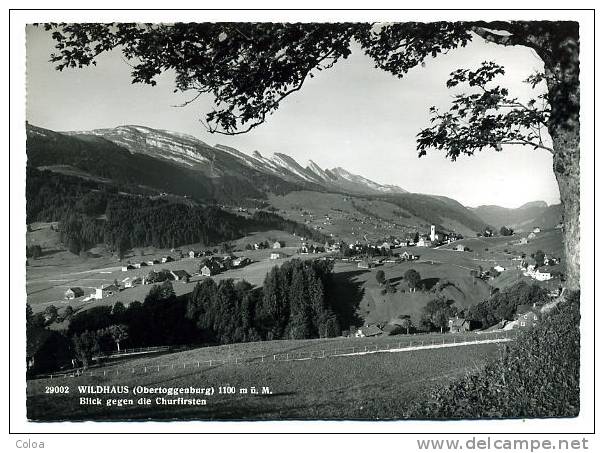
{"x": 352, "y": 116}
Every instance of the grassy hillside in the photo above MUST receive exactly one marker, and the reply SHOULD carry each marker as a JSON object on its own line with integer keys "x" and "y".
{"x": 374, "y": 386}
{"x": 537, "y": 376}
{"x": 373, "y": 306}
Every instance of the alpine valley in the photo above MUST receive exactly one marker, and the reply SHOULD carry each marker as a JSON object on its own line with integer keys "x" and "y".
{"x": 184, "y": 169}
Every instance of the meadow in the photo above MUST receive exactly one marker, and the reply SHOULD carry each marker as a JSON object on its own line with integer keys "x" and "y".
{"x": 373, "y": 386}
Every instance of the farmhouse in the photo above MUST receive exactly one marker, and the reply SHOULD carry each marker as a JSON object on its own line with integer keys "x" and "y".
{"x": 276, "y": 255}
{"x": 424, "y": 242}
{"x": 152, "y": 262}
{"x": 536, "y": 230}
{"x": 523, "y": 241}
{"x": 74, "y": 292}
{"x": 106, "y": 291}
{"x": 499, "y": 268}
{"x": 278, "y": 244}
{"x": 368, "y": 331}
{"x": 458, "y": 324}
{"x": 460, "y": 248}
{"x": 531, "y": 236}
{"x": 210, "y": 269}
{"x": 139, "y": 265}
{"x": 542, "y": 276}
{"x": 528, "y": 316}
{"x": 131, "y": 282}
{"x": 241, "y": 261}
{"x": 166, "y": 259}
{"x": 127, "y": 267}
{"x": 180, "y": 275}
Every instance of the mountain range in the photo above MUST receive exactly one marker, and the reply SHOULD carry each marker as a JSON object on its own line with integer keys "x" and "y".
{"x": 180, "y": 164}
{"x": 215, "y": 161}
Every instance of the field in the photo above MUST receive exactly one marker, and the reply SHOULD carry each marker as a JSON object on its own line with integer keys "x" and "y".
{"x": 352, "y": 219}
{"x": 373, "y": 306}
{"x": 49, "y": 276}
{"x": 373, "y": 386}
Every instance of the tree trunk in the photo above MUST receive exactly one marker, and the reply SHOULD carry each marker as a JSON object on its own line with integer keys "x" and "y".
{"x": 561, "y": 58}
{"x": 566, "y": 169}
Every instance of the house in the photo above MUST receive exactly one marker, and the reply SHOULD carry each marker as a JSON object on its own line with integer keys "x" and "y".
{"x": 304, "y": 249}
{"x": 531, "y": 236}
{"x": 74, "y": 292}
{"x": 424, "y": 242}
{"x": 542, "y": 276}
{"x": 405, "y": 256}
{"x": 458, "y": 324}
{"x": 127, "y": 267}
{"x": 536, "y": 230}
{"x": 166, "y": 259}
{"x": 460, "y": 248}
{"x": 152, "y": 262}
{"x": 499, "y": 268}
{"x": 528, "y": 316}
{"x": 276, "y": 255}
{"x": 131, "y": 282}
{"x": 278, "y": 244}
{"x": 139, "y": 265}
{"x": 241, "y": 261}
{"x": 180, "y": 275}
{"x": 368, "y": 331}
{"x": 365, "y": 264}
{"x": 385, "y": 246}
{"x": 106, "y": 291}
{"x": 523, "y": 241}
{"x": 210, "y": 269}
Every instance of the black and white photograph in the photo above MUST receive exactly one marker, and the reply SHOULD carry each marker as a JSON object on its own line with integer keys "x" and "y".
{"x": 305, "y": 220}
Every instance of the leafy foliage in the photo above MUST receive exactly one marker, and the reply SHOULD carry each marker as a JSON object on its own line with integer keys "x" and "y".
{"x": 137, "y": 220}
{"x": 412, "y": 278}
{"x": 486, "y": 117}
{"x": 536, "y": 376}
{"x": 503, "y": 304}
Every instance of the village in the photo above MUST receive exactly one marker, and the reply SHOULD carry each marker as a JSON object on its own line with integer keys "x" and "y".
{"x": 251, "y": 260}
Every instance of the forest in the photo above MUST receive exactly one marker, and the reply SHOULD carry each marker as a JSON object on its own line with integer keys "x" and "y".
{"x": 293, "y": 303}
{"x": 91, "y": 212}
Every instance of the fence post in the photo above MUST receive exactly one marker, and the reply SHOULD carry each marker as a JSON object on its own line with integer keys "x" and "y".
{"x": 145, "y": 371}
{"x": 158, "y": 368}
{"x": 262, "y": 359}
